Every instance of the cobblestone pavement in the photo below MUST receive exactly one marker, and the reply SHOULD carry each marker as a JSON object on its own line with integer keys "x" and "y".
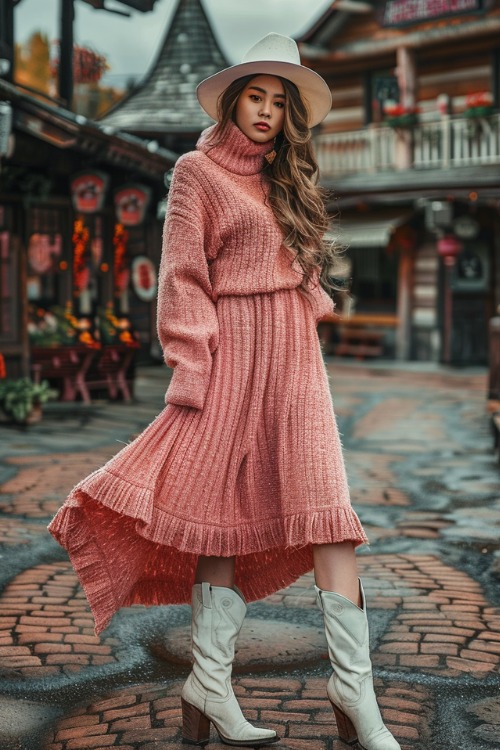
{"x": 427, "y": 489}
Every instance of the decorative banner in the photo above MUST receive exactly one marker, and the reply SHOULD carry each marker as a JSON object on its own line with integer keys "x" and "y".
{"x": 144, "y": 278}
{"x": 131, "y": 203}
{"x": 88, "y": 190}
{"x": 81, "y": 273}
{"x": 41, "y": 251}
{"x": 121, "y": 272}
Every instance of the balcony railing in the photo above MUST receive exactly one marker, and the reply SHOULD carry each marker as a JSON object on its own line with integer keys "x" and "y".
{"x": 447, "y": 143}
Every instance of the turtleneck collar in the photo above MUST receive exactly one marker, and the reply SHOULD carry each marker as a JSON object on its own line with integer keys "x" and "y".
{"x": 236, "y": 152}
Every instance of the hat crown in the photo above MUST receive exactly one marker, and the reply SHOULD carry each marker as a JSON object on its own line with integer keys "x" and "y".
{"x": 274, "y": 55}
{"x": 274, "y": 47}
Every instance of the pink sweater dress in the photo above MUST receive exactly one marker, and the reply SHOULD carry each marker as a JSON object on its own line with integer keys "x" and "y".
{"x": 245, "y": 459}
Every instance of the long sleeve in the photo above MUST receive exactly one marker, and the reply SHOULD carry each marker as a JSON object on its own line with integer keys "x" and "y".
{"x": 187, "y": 321}
{"x": 321, "y": 302}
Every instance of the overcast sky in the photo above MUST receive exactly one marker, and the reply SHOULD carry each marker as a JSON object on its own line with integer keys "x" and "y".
{"x": 131, "y": 43}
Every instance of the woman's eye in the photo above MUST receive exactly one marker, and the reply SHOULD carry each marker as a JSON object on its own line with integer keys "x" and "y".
{"x": 255, "y": 97}
{"x": 280, "y": 105}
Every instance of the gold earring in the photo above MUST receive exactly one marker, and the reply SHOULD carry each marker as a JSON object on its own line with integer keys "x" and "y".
{"x": 270, "y": 157}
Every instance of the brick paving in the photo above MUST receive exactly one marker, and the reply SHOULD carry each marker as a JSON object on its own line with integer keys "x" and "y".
{"x": 46, "y": 627}
{"x": 426, "y": 486}
{"x": 296, "y": 708}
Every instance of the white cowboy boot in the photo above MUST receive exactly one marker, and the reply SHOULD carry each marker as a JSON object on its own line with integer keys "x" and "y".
{"x": 208, "y": 696}
{"x": 350, "y": 688}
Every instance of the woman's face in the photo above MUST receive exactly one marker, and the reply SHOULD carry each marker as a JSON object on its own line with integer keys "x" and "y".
{"x": 260, "y": 109}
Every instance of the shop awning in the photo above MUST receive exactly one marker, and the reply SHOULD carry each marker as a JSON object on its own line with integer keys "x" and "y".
{"x": 367, "y": 231}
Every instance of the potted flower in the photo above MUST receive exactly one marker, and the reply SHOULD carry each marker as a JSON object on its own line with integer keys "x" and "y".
{"x": 478, "y": 105}
{"x": 59, "y": 327}
{"x": 399, "y": 116}
{"x": 116, "y": 330}
{"x": 21, "y": 400}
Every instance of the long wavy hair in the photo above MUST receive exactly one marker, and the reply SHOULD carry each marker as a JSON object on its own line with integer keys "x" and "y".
{"x": 297, "y": 201}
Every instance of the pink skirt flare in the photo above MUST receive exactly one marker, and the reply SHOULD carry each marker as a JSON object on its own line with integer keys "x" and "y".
{"x": 257, "y": 473}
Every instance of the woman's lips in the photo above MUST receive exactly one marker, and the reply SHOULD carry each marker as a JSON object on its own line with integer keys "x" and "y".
{"x": 263, "y": 126}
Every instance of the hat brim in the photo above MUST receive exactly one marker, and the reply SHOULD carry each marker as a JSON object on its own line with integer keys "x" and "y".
{"x": 313, "y": 88}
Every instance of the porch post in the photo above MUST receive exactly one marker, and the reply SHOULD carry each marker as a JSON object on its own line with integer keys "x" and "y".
{"x": 67, "y": 17}
{"x": 7, "y": 39}
{"x": 406, "y": 73}
{"x": 405, "y": 282}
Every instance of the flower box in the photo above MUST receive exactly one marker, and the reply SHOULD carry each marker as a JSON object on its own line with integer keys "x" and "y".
{"x": 399, "y": 116}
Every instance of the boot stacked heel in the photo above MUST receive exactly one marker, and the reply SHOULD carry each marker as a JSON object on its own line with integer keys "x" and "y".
{"x": 350, "y": 688}
{"x": 195, "y": 725}
{"x": 207, "y": 696}
{"x": 346, "y": 729}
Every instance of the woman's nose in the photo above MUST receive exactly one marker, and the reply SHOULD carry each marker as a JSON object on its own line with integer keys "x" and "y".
{"x": 265, "y": 110}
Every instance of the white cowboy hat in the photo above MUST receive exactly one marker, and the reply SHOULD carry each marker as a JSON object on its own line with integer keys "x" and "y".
{"x": 273, "y": 55}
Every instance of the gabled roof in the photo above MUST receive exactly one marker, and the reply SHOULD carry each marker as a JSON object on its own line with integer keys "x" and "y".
{"x": 323, "y": 43}
{"x": 165, "y": 102}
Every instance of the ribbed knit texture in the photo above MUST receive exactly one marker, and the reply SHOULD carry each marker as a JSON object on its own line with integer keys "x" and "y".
{"x": 220, "y": 239}
{"x": 245, "y": 459}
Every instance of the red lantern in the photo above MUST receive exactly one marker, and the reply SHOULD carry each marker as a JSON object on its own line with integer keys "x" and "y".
{"x": 449, "y": 246}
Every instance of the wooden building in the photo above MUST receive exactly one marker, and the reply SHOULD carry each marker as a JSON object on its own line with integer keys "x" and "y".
{"x": 79, "y": 226}
{"x": 411, "y": 151}
{"x": 80, "y": 230}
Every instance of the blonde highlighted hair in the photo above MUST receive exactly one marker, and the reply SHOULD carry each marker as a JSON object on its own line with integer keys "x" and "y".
{"x": 295, "y": 198}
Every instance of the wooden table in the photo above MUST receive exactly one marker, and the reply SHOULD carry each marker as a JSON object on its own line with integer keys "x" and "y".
{"x": 69, "y": 364}
{"x": 81, "y": 369}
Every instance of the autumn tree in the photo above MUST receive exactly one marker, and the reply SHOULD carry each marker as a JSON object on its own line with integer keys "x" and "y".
{"x": 35, "y": 69}
{"x": 32, "y": 63}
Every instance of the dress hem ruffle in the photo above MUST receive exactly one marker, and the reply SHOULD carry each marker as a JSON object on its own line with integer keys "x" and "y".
{"x": 150, "y": 534}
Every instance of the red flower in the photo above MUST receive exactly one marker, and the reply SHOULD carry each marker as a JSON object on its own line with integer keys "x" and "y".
{"x": 478, "y": 99}
{"x": 398, "y": 110}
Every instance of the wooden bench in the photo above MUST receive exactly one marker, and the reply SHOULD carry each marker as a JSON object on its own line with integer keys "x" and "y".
{"x": 361, "y": 335}
{"x": 360, "y": 343}
{"x": 65, "y": 364}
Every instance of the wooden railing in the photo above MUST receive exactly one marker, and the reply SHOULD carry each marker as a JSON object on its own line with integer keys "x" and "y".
{"x": 368, "y": 150}
{"x": 447, "y": 143}
{"x": 458, "y": 142}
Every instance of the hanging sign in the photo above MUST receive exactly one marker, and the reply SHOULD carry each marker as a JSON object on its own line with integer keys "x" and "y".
{"x": 144, "y": 278}
{"x": 131, "y": 203}
{"x": 405, "y": 12}
{"x": 88, "y": 190}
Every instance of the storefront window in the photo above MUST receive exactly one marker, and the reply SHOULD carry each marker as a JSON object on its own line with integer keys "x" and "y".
{"x": 374, "y": 279}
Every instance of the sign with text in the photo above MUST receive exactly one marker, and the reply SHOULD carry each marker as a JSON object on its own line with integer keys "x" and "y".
{"x": 403, "y": 12}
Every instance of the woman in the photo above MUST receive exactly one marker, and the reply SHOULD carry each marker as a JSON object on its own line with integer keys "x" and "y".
{"x": 239, "y": 484}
